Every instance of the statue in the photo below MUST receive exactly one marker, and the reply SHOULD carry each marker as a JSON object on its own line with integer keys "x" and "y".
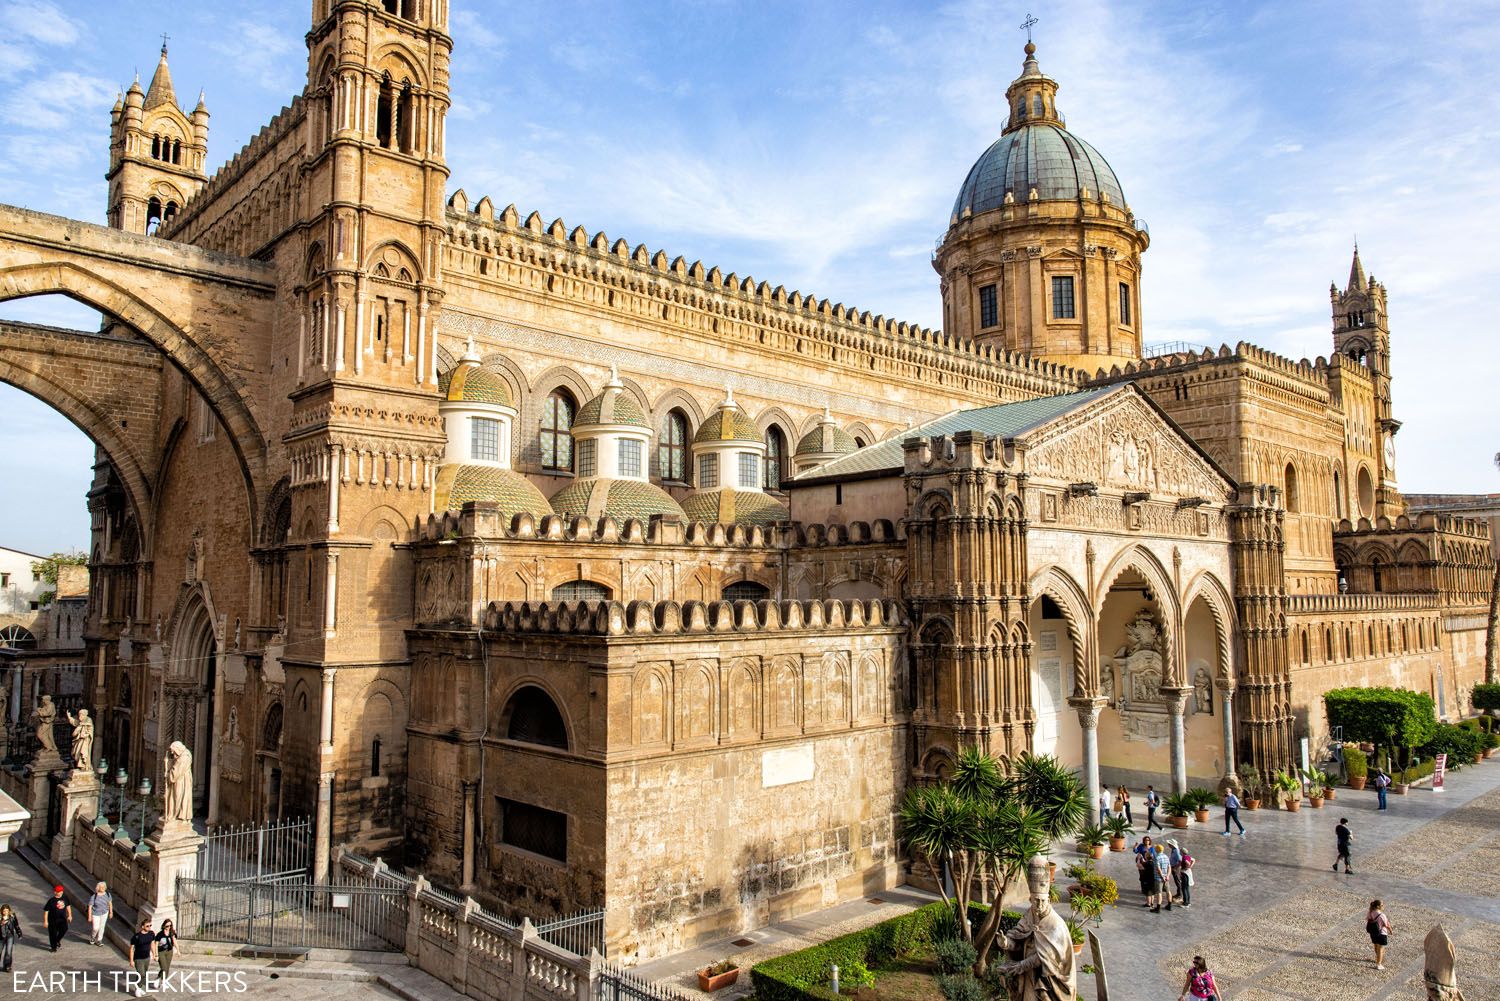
{"x": 1437, "y": 972}
{"x": 178, "y": 790}
{"x": 1140, "y": 659}
{"x": 1040, "y": 947}
{"x": 1107, "y": 683}
{"x": 1203, "y": 692}
{"x": 44, "y": 715}
{"x": 83, "y": 741}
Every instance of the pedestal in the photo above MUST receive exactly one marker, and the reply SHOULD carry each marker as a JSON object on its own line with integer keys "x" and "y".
{"x": 174, "y": 852}
{"x": 39, "y": 791}
{"x": 80, "y": 801}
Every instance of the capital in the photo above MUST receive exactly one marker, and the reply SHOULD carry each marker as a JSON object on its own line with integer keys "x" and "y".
{"x": 1176, "y": 699}
{"x": 1088, "y": 710}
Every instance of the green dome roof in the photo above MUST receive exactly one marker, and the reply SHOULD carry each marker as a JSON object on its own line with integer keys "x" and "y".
{"x": 733, "y": 507}
{"x": 597, "y": 497}
{"x": 613, "y": 406}
{"x": 457, "y": 484}
{"x": 727, "y": 425}
{"x": 472, "y": 384}
{"x": 826, "y": 438}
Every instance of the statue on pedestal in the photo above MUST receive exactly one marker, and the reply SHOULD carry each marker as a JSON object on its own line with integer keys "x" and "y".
{"x": 1040, "y": 948}
{"x": 178, "y": 789}
{"x": 83, "y": 741}
{"x": 43, "y": 716}
{"x": 1437, "y": 972}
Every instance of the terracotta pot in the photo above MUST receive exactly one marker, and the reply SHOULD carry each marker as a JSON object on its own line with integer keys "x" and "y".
{"x": 1252, "y": 804}
{"x": 1399, "y": 788}
{"x": 1051, "y": 871}
{"x": 1357, "y": 782}
{"x": 1293, "y": 805}
{"x": 1179, "y": 822}
{"x": 1201, "y": 816}
{"x": 1328, "y": 793}
{"x": 708, "y": 984}
{"x": 1078, "y": 948}
{"x": 1097, "y": 851}
{"x": 1117, "y": 844}
{"x": 1316, "y": 802}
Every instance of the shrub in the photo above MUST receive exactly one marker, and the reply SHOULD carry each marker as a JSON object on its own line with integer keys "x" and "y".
{"x": 1462, "y": 745}
{"x": 961, "y": 987}
{"x": 1117, "y": 826}
{"x": 1392, "y": 716}
{"x": 855, "y": 975}
{"x": 1201, "y": 798}
{"x": 1251, "y": 783}
{"x": 1356, "y": 765}
{"x": 1486, "y": 696}
{"x": 954, "y": 955}
{"x": 1177, "y": 805}
{"x": 801, "y": 975}
{"x": 1100, "y": 887}
{"x": 1093, "y": 836}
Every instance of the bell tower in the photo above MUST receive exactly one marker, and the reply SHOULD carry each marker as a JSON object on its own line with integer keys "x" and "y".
{"x": 157, "y": 154}
{"x": 1362, "y": 334}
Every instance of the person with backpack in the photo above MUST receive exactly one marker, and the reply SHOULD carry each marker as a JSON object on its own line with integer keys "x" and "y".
{"x": 100, "y": 908}
{"x": 1378, "y": 927}
{"x": 1382, "y": 783}
{"x": 1200, "y": 982}
{"x": 10, "y": 934}
{"x": 1153, "y": 800}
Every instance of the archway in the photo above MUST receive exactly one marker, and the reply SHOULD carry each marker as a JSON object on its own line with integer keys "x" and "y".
{"x": 1135, "y": 644}
{"x": 1056, "y": 642}
{"x": 188, "y": 707}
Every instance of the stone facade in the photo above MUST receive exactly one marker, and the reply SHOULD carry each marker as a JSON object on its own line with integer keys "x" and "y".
{"x": 1024, "y": 534}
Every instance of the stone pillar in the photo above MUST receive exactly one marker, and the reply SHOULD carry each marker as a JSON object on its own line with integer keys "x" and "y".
{"x": 1088, "y": 720}
{"x": 1226, "y": 719}
{"x": 324, "y": 833}
{"x": 1177, "y": 710}
{"x": 80, "y": 801}
{"x": 471, "y": 795}
{"x": 174, "y": 847}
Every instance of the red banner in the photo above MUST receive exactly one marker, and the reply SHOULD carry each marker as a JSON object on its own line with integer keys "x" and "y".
{"x": 1439, "y": 765}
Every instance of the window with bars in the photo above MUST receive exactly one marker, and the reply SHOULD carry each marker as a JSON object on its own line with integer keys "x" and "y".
{"x": 671, "y": 454}
{"x": 708, "y": 471}
{"x": 746, "y": 590}
{"x": 484, "y": 439}
{"x": 533, "y": 829}
{"x": 1062, "y": 297}
{"x": 749, "y": 469}
{"x": 580, "y": 590}
{"x": 557, "y": 431}
{"x": 588, "y": 458}
{"x": 775, "y": 458}
{"x": 1125, "y": 304}
{"x": 630, "y": 457}
{"x": 989, "y": 307}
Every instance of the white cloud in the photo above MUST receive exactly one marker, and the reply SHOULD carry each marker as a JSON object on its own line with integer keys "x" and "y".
{"x": 470, "y": 30}
{"x": 39, "y": 21}
{"x": 57, "y": 99}
{"x": 267, "y": 54}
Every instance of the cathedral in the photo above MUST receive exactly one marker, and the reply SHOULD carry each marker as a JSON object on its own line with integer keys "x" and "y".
{"x": 578, "y": 575}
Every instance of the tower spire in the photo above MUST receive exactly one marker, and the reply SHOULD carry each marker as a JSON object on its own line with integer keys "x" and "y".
{"x": 160, "y": 91}
{"x": 1357, "y": 280}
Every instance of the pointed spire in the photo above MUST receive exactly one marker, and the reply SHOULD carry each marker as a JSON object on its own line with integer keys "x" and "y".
{"x": 202, "y": 108}
{"x": 160, "y": 91}
{"x": 1357, "y": 280}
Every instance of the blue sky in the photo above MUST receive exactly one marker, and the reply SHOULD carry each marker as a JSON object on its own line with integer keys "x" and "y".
{"x": 820, "y": 145}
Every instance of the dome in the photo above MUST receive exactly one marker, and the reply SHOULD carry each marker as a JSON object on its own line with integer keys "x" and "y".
{"x": 1038, "y": 155}
{"x": 457, "y": 484}
{"x": 613, "y": 406}
{"x": 825, "y": 439}
{"x": 596, "y": 497}
{"x": 733, "y": 507}
{"x": 727, "y": 424}
{"x": 472, "y": 384}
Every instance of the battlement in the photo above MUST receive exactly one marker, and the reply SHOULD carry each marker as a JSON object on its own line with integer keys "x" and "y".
{"x": 666, "y": 618}
{"x": 691, "y": 288}
{"x": 1310, "y": 373}
{"x": 282, "y": 123}
{"x": 1477, "y": 529}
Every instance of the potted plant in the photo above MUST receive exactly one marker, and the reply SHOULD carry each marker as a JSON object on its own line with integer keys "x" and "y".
{"x": 1177, "y": 807}
{"x": 1092, "y": 839}
{"x": 1356, "y": 766}
{"x": 1317, "y": 785}
{"x": 721, "y": 974}
{"x": 1118, "y": 827}
{"x": 1288, "y": 789}
{"x": 1202, "y": 800}
{"x": 1075, "y": 932}
{"x": 1252, "y": 786}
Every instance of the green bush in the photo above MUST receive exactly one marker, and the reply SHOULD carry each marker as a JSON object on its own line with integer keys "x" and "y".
{"x": 954, "y": 955}
{"x": 1420, "y": 770}
{"x": 855, "y": 976}
{"x": 1177, "y": 805}
{"x": 1201, "y": 798}
{"x": 1394, "y": 717}
{"x": 961, "y": 987}
{"x": 801, "y": 975}
{"x": 1356, "y": 765}
{"x": 1486, "y": 696}
{"x": 1462, "y": 744}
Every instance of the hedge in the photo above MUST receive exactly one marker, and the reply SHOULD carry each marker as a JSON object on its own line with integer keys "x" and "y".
{"x": 1486, "y": 696}
{"x": 1382, "y": 715}
{"x": 1462, "y": 744}
{"x": 1356, "y": 765}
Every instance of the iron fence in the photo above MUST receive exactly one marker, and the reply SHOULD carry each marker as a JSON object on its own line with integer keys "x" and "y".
{"x": 577, "y": 933}
{"x": 279, "y": 851}
{"x": 614, "y": 984}
{"x": 291, "y": 915}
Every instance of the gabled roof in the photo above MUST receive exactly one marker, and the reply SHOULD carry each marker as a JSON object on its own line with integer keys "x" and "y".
{"x": 1005, "y": 420}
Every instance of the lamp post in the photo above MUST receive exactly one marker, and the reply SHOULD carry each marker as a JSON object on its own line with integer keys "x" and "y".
{"x": 145, "y": 792}
{"x": 101, "y": 772}
{"x": 122, "y": 778}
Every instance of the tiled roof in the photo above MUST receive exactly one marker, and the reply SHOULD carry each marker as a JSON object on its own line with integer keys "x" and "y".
{"x": 825, "y": 438}
{"x": 728, "y": 506}
{"x": 1006, "y": 420}
{"x": 1042, "y": 156}
{"x": 613, "y": 406}
{"x": 472, "y": 384}
{"x": 597, "y": 497}
{"x": 457, "y": 484}
{"x": 738, "y": 428}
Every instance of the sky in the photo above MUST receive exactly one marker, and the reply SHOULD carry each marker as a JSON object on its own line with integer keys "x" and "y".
{"x": 819, "y": 145}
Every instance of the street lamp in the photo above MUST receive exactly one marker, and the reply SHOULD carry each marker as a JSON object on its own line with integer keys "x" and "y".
{"x": 101, "y": 771}
{"x": 145, "y": 791}
{"x": 121, "y": 778}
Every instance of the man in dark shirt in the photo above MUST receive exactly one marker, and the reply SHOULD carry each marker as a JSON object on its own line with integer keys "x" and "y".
{"x": 57, "y": 913}
{"x": 1345, "y": 836}
{"x": 142, "y": 947}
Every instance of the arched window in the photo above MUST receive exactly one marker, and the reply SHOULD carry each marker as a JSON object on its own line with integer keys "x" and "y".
{"x": 406, "y": 122}
{"x": 775, "y": 457}
{"x": 1338, "y": 495}
{"x": 153, "y": 216}
{"x": 375, "y": 758}
{"x": 271, "y": 732}
{"x": 746, "y": 590}
{"x": 385, "y": 113}
{"x": 531, "y": 717}
{"x": 1375, "y": 575}
{"x": 557, "y": 431}
{"x": 1293, "y": 501}
{"x": 1036, "y": 106}
{"x": 1306, "y": 649}
{"x": 176, "y": 151}
{"x": 672, "y": 452}
{"x": 581, "y": 590}
{"x": 17, "y": 638}
{"x": 859, "y": 442}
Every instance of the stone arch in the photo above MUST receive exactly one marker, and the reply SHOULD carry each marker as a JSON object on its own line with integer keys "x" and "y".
{"x": 400, "y": 64}
{"x": 209, "y": 377}
{"x": 681, "y": 400}
{"x": 861, "y": 431}
{"x": 1060, "y": 586}
{"x": 403, "y": 258}
{"x": 1144, "y": 562}
{"x": 188, "y": 710}
{"x": 1215, "y": 595}
{"x": 532, "y": 714}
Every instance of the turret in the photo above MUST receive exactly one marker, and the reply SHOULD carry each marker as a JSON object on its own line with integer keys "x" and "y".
{"x": 157, "y": 154}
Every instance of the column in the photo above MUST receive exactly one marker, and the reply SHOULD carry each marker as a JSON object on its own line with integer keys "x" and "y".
{"x": 1177, "y": 709}
{"x": 471, "y": 804}
{"x": 1226, "y": 718}
{"x": 1088, "y": 721}
{"x": 323, "y": 843}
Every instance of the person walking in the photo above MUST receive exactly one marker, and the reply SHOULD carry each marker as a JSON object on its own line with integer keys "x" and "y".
{"x": 139, "y": 956}
{"x": 1200, "y": 982}
{"x": 1344, "y": 836}
{"x": 1232, "y": 812}
{"x": 100, "y": 908}
{"x": 1145, "y": 870}
{"x": 1103, "y": 804}
{"x": 1122, "y": 797}
{"x": 1379, "y": 928}
{"x": 1153, "y": 800}
{"x": 10, "y": 934}
{"x": 1162, "y": 865}
{"x": 57, "y": 914}
{"x": 1182, "y": 873}
{"x": 1382, "y": 785}
{"x": 166, "y": 945}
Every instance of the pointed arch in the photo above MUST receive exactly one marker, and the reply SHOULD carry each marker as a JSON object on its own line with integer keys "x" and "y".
{"x": 1144, "y": 562}
{"x": 1057, "y": 584}
{"x": 1206, "y": 585}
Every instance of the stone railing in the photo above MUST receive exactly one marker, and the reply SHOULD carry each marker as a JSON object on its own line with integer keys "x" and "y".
{"x": 612, "y": 618}
{"x": 108, "y": 854}
{"x": 1322, "y": 604}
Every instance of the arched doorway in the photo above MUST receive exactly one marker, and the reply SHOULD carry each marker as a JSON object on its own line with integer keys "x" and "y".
{"x": 1135, "y": 647}
{"x": 188, "y": 703}
{"x": 270, "y": 763}
{"x": 1055, "y": 644}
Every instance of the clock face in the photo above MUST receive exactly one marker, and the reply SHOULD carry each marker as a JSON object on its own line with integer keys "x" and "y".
{"x": 1390, "y": 453}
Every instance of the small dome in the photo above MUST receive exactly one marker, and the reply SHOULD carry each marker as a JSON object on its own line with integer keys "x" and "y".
{"x": 472, "y": 384}
{"x": 825, "y": 439}
{"x": 727, "y": 424}
{"x": 596, "y": 497}
{"x": 613, "y": 406}
{"x": 457, "y": 484}
{"x": 733, "y": 507}
{"x": 1040, "y": 155}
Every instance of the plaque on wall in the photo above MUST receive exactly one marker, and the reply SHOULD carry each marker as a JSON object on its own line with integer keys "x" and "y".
{"x": 784, "y": 766}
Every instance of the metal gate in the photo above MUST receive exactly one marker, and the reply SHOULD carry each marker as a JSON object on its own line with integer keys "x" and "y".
{"x": 292, "y": 914}
{"x": 273, "y": 852}
{"x": 614, "y": 984}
